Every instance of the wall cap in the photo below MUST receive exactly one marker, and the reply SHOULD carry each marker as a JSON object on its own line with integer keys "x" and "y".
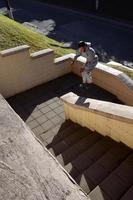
{"x": 41, "y": 53}
{"x": 14, "y": 50}
{"x": 99, "y": 66}
{"x": 113, "y": 63}
{"x": 62, "y": 58}
{"x": 108, "y": 69}
{"x": 108, "y": 109}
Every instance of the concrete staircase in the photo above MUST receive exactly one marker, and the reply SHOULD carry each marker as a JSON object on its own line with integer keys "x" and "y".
{"x": 102, "y": 167}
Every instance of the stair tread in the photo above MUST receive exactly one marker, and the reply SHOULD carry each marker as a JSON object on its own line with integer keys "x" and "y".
{"x": 128, "y": 195}
{"x": 113, "y": 186}
{"x": 51, "y": 133}
{"x": 74, "y": 150}
{"x": 88, "y": 157}
{"x": 81, "y": 133}
{"x": 71, "y": 170}
{"x": 114, "y": 156}
{"x": 125, "y": 172}
{"x": 68, "y": 142}
{"x": 101, "y": 166}
{"x": 98, "y": 194}
{"x": 121, "y": 178}
{"x": 101, "y": 169}
{"x": 61, "y": 134}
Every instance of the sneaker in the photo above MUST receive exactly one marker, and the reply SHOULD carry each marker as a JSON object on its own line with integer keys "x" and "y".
{"x": 87, "y": 87}
{"x": 90, "y": 81}
{"x": 81, "y": 85}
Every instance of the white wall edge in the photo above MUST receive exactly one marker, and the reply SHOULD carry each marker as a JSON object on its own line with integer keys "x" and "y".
{"x": 14, "y": 50}
{"x": 111, "y": 110}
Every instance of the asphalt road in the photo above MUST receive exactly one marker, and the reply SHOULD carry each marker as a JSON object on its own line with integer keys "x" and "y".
{"x": 112, "y": 40}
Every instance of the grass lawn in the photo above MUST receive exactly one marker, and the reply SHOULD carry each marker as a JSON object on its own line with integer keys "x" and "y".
{"x": 126, "y": 71}
{"x": 13, "y": 34}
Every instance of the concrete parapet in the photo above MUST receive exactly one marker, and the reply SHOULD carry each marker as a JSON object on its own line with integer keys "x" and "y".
{"x": 108, "y": 119}
{"x": 112, "y": 80}
{"x": 27, "y": 169}
{"x": 20, "y": 71}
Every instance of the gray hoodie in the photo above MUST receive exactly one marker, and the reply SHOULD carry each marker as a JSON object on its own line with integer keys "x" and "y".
{"x": 90, "y": 55}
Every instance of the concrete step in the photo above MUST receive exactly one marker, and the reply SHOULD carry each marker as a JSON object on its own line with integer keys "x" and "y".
{"x": 121, "y": 179}
{"x": 78, "y": 148}
{"x": 102, "y": 168}
{"x": 67, "y": 128}
{"x": 88, "y": 157}
{"x": 128, "y": 195}
{"x": 98, "y": 194}
{"x": 119, "y": 183}
{"x": 68, "y": 141}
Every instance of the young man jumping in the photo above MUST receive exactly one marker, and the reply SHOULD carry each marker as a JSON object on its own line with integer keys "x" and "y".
{"x": 85, "y": 50}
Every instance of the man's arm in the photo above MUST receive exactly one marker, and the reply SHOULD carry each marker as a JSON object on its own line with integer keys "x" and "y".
{"x": 76, "y": 56}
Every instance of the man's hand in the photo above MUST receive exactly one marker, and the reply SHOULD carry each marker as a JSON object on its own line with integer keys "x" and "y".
{"x": 81, "y": 69}
{"x": 72, "y": 62}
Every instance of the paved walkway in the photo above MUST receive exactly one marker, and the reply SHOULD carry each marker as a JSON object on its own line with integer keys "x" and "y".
{"x": 42, "y": 109}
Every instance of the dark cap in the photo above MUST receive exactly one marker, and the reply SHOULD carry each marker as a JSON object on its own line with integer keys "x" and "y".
{"x": 81, "y": 44}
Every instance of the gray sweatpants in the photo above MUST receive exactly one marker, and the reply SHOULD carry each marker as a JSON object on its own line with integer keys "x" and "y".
{"x": 87, "y": 73}
{"x": 87, "y": 76}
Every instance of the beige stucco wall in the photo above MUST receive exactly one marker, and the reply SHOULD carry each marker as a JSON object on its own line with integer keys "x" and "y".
{"x": 108, "y": 78}
{"x": 113, "y": 120}
{"x": 113, "y": 84}
{"x": 20, "y": 71}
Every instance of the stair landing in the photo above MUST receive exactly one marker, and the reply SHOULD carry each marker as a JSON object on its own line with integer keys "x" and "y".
{"x": 41, "y": 108}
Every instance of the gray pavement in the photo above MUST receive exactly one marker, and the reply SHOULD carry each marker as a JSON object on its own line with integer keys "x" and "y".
{"x": 41, "y": 108}
{"x": 112, "y": 40}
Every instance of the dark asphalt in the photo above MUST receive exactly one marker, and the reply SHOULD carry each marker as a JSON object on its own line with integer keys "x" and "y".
{"x": 111, "y": 40}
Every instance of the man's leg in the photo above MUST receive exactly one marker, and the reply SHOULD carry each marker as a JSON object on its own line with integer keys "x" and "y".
{"x": 84, "y": 79}
{"x": 89, "y": 77}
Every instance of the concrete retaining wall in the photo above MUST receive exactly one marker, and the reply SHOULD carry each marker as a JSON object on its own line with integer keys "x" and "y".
{"x": 113, "y": 120}
{"x": 110, "y": 79}
{"x": 20, "y": 71}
